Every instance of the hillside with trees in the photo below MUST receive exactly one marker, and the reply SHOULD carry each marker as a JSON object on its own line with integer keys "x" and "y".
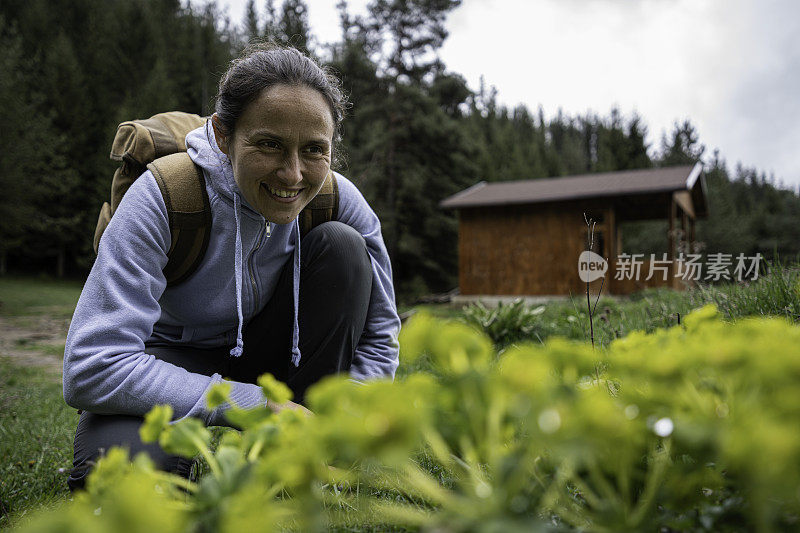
{"x": 415, "y": 134}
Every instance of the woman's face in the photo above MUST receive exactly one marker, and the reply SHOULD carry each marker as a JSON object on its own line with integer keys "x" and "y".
{"x": 281, "y": 150}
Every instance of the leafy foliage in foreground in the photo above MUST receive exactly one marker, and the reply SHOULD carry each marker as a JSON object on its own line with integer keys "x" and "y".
{"x": 691, "y": 428}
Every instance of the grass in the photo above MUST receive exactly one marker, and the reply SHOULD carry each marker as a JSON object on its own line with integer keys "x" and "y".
{"x": 37, "y": 428}
{"x": 36, "y": 432}
{"x": 31, "y": 296}
{"x": 772, "y": 294}
{"x": 614, "y": 316}
{"x": 56, "y": 350}
{"x": 437, "y": 310}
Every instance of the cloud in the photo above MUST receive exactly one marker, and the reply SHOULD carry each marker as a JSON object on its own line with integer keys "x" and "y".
{"x": 762, "y": 124}
{"x": 729, "y": 66}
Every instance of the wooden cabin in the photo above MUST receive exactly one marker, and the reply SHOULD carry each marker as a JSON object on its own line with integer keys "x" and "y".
{"x": 523, "y": 238}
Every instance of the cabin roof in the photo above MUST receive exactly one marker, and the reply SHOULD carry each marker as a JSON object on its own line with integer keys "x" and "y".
{"x": 586, "y": 186}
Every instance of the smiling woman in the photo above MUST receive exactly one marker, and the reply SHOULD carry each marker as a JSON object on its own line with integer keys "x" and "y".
{"x": 260, "y": 300}
{"x": 280, "y": 149}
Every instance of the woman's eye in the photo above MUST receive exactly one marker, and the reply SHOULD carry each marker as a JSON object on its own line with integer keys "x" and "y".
{"x": 315, "y": 149}
{"x": 270, "y": 144}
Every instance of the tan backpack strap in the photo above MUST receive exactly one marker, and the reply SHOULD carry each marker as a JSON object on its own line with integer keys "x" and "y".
{"x": 184, "y": 190}
{"x": 102, "y": 223}
{"x": 323, "y": 208}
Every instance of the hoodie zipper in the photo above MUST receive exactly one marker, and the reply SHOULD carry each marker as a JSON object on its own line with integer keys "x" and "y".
{"x": 259, "y": 242}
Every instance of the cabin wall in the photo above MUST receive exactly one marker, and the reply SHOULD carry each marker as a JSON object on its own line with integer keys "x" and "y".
{"x": 533, "y": 250}
{"x": 520, "y": 250}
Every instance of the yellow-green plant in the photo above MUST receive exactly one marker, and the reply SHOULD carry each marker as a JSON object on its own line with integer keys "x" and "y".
{"x": 692, "y": 428}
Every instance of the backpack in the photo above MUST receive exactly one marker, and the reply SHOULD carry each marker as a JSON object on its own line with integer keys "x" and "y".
{"x": 158, "y": 144}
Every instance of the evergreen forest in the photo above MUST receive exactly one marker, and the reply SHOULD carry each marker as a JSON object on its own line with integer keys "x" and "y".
{"x": 415, "y": 132}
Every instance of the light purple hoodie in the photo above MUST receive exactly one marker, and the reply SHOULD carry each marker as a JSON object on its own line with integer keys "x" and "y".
{"x": 125, "y": 301}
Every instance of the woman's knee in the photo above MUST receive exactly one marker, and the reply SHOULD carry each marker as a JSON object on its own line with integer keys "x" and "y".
{"x": 341, "y": 248}
{"x": 96, "y": 434}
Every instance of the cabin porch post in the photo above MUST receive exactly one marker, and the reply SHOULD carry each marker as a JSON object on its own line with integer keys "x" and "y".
{"x": 673, "y": 207}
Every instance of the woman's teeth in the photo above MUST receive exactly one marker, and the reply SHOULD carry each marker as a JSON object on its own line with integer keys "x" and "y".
{"x": 283, "y": 193}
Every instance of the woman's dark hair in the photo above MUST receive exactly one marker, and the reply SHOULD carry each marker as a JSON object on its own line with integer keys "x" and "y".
{"x": 264, "y": 65}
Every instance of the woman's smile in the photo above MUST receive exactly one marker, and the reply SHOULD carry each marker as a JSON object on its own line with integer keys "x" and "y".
{"x": 282, "y": 195}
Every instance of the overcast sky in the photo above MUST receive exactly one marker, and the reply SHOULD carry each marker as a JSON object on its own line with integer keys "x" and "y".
{"x": 731, "y": 66}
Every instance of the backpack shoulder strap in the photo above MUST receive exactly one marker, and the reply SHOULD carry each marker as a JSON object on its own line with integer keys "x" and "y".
{"x": 323, "y": 208}
{"x": 137, "y": 143}
{"x": 184, "y": 190}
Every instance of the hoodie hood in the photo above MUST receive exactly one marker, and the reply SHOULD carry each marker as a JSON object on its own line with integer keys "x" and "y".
{"x": 201, "y": 145}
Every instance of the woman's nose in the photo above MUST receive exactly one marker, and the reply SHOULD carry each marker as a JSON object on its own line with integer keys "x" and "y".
{"x": 291, "y": 173}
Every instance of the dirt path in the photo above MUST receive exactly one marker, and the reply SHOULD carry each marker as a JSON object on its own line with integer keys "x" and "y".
{"x": 36, "y": 341}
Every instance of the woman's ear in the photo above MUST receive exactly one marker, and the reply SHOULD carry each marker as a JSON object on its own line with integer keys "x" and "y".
{"x": 219, "y": 133}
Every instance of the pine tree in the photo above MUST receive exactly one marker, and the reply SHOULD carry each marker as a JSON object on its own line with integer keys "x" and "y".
{"x": 20, "y": 159}
{"x": 682, "y": 147}
{"x": 637, "y": 148}
{"x": 59, "y": 204}
{"x": 293, "y": 26}
{"x": 270, "y": 31}
{"x": 251, "y": 29}
{"x": 407, "y": 152}
{"x": 717, "y": 233}
{"x": 412, "y": 31}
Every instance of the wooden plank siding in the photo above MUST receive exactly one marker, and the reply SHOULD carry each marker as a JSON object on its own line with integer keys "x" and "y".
{"x": 521, "y": 250}
{"x": 532, "y": 250}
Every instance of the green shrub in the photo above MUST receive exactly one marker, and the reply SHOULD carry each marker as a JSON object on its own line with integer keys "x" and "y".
{"x": 507, "y": 323}
{"x": 690, "y": 428}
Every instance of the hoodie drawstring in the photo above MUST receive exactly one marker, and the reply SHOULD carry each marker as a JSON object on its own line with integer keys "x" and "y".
{"x": 296, "y": 290}
{"x": 236, "y": 351}
{"x": 226, "y": 171}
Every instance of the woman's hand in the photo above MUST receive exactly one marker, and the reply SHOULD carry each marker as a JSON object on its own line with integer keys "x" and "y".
{"x": 278, "y": 407}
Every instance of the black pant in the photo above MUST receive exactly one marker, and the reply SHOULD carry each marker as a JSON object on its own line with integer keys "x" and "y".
{"x": 335, "y": 286}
